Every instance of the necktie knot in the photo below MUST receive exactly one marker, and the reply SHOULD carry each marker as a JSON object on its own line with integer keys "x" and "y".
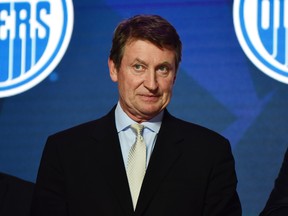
{"x": 138, "y": 129}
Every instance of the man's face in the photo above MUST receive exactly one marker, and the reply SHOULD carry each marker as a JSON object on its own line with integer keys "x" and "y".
{"x": 145, "y": 79}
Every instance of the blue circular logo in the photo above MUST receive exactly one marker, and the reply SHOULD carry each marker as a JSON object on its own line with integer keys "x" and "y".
{"x": 34, "y": 36}
{"x": 261, "y": 27}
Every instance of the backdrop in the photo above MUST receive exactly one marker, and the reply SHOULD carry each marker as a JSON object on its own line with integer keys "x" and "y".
{"x": 217, "y": 86}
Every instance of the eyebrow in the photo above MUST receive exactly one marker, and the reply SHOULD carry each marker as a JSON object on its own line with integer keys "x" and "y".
{"x": 141, "y": 61}
{"x": 165, "y": 63}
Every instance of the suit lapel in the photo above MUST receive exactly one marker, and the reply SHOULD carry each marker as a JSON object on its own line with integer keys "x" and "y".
{"x": 166, "y": 152}
{"x": 109, "y": 156}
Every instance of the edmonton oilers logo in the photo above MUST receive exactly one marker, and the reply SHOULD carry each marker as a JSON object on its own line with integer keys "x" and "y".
{"x": 34, "y": 35}
{"x": 261, "y": 27}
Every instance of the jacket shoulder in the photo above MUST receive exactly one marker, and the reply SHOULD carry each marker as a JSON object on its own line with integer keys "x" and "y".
{"x": 87, "y": 129}
{"x": 193, "y": 130}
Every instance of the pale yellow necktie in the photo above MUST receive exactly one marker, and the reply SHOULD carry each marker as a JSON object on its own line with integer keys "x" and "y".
{"x": 136, "y": 165}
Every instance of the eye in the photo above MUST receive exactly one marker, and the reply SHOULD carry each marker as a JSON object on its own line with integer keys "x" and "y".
{"x": 138, "y": 67}
{"x": 163, "y": 69}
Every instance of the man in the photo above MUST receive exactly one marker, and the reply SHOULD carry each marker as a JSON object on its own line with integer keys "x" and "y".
{"x": 92, "y": 169}
{"x": 277, "y": 204}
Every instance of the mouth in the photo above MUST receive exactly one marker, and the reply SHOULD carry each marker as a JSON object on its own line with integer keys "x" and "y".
{"x": 149, "y": 97}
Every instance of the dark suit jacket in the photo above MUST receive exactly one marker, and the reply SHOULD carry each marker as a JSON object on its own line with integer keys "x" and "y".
{"x": 277, "y": 204}
{"x": 15, "y": 196}
{"x": 191, "y": 172}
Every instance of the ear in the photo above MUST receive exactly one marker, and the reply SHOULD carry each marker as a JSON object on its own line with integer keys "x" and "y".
{"x": 112, "y": 70}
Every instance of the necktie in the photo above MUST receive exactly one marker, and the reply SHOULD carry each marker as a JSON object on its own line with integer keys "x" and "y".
{"x": 136, "y": 165}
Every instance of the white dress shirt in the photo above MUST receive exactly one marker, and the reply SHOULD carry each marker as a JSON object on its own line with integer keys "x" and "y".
{"x": 127, "y": 137}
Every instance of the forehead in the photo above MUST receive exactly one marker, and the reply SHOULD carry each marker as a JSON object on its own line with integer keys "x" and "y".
{"x": 146, "y": 50}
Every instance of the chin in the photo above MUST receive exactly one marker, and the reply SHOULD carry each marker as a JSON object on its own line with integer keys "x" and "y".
{"x": 151, "y": 112}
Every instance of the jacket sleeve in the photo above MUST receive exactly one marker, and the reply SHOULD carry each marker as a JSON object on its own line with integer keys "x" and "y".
{"x": 222, "y": 198}
{"x": 49, "y": 192}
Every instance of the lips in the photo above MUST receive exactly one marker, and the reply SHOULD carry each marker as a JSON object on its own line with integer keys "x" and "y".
{"x": 149, "y": 97}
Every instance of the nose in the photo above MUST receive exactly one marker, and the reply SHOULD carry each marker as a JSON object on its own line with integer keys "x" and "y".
{"x": 150, "y": 81}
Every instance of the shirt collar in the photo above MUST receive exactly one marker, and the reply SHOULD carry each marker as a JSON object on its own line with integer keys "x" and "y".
{"x": 123, "y": 121}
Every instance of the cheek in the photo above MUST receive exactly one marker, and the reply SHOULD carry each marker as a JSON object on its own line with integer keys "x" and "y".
{"x": 132, "y": 83}
{"x": 126, "y": 87}
{"x": 167, "y": 86}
